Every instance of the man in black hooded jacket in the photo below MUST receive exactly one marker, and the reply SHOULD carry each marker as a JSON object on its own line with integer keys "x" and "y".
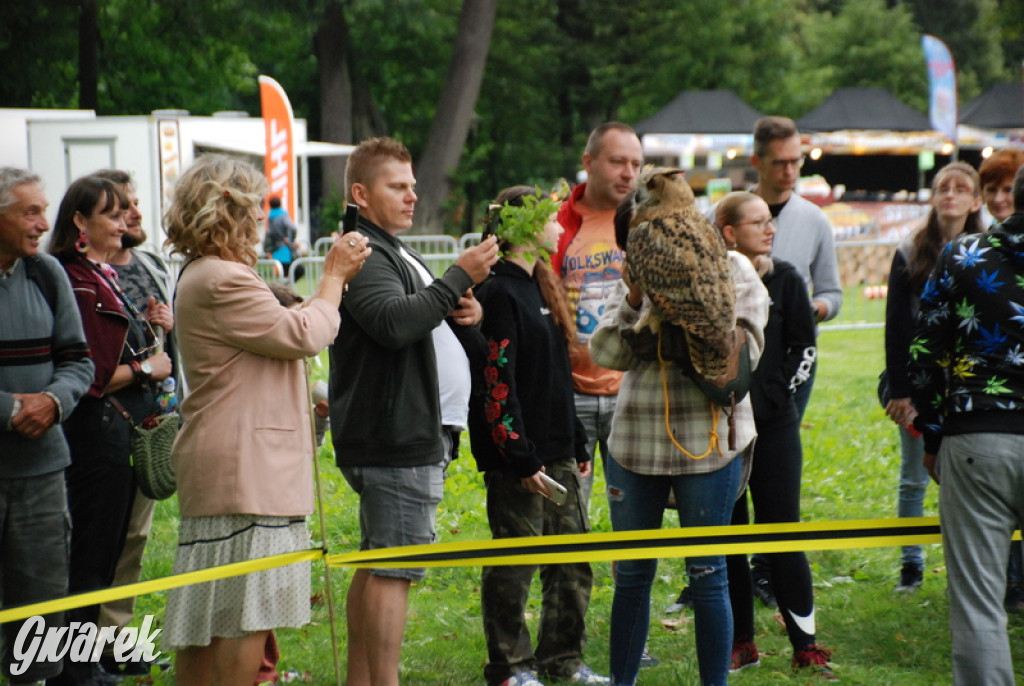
{"x": 967, "y": 368}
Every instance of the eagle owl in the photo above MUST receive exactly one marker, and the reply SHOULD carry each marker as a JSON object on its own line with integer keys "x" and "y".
{"x": 680, "y": 261}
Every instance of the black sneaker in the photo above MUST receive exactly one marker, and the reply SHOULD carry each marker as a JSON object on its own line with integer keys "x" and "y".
{"x": 763, "y": 590}
{"x": 911, "y": 578}
{"x": 684, "y": 601}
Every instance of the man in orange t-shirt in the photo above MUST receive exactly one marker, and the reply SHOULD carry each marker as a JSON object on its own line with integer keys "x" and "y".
{"x": 590, "y": 264}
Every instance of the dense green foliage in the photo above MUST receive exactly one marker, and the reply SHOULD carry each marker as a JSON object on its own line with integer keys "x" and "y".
{"x": 555, "y": 68}
{"x": 523, "y": 225}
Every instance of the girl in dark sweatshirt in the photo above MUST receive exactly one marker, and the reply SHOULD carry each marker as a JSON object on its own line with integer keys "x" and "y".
{"x": 524, "y": 426}
{"x": 747, "y": 225}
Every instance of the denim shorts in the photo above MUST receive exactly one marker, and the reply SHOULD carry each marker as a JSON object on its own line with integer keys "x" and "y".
{"x": 397, "y": 506}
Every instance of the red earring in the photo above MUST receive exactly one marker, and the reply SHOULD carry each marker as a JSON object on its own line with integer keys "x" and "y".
{"x": 82, "y": 244}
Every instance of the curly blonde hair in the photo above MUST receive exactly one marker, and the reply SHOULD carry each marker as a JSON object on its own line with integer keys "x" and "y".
{"x": 214, "y": 210}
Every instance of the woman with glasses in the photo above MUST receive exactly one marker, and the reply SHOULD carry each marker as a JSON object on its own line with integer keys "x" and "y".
{"x": 100, "y": 482}
{"x": 956, "y": 201}
{"x": 244, "y": 457}
{"x": 789, "y": 351}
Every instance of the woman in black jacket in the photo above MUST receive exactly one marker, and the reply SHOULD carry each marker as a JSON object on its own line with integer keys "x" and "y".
{"x": 956, "y": 201}
{"x": 789, "y": 352}
{"x": 523, "y": 429}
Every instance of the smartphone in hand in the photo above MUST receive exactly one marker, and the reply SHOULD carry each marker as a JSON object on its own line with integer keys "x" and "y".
{"x": 557, "y": 490}
{"x": 351, "y": 218}
{"x": 491, "y": 225}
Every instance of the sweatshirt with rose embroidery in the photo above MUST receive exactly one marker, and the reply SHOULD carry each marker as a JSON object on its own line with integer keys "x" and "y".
{"x": 526, "y": 417}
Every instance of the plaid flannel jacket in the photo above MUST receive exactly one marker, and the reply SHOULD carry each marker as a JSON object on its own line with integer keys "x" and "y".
{"x": 639, "y": 439}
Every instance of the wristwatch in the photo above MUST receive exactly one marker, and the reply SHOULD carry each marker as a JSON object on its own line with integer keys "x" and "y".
{"x": 143, "y": 372}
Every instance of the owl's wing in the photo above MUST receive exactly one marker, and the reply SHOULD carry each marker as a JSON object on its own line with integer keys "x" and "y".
{"x": 681, "y": 262}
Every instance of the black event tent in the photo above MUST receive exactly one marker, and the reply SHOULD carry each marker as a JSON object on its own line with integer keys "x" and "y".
{"x": 863, "y": 109}
{"x": 702, "y": 112}
{"x": 870, "y": 139}
{"x": 1000, "y": 107}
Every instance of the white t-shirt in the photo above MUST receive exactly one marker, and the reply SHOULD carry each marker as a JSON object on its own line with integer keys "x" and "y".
{"x": 453, "y": 380}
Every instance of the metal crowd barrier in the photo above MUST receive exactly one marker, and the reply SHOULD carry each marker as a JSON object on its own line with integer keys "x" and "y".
{"x": 863, "y": 266}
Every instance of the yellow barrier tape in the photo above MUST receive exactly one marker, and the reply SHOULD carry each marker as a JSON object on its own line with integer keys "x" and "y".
{"x": 153, "y": 585}
{"x": 592, "y": 547}
{"x": 632, "y": 545}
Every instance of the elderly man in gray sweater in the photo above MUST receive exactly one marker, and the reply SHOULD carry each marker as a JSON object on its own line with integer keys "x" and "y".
{"x": 44, "y": 369}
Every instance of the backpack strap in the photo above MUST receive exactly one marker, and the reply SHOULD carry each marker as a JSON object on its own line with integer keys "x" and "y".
{"x": 43, "y": 280}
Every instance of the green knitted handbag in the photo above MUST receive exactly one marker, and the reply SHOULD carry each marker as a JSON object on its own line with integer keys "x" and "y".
{"x": 152, "y": 441}
{"x": 151, "y": 455}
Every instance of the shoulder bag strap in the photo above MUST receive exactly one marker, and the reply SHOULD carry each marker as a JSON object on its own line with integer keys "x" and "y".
{"x": 120, "y": 408}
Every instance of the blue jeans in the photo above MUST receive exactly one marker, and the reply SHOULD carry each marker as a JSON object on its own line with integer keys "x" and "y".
{"x": 636, "y": 502}
{"x": 913, "y": 483}
{"x": 595, "y": 413}
{"x": 1015, "y": 568}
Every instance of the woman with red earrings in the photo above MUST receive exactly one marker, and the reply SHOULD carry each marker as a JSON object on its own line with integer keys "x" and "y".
{"x": 100, "y": 481}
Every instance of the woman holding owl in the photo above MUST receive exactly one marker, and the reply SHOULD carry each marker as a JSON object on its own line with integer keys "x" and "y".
{"x": 665, "y": 437}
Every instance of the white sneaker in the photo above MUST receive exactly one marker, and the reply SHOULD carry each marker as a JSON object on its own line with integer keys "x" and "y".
{"x": 527, "y": 678}
{"x": 585, "y": 675}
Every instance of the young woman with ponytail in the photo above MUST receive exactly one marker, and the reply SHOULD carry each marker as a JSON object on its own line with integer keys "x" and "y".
{"x": 523, "y": 429}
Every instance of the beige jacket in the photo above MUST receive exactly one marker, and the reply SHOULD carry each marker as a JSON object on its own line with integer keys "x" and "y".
{"x": 245, "y": 445}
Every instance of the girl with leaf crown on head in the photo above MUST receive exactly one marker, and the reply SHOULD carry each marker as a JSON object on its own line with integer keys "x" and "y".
{"x": 523, "y": 432}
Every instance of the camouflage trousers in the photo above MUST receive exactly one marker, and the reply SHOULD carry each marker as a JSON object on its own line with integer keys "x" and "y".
{"x": 512, "y": 511}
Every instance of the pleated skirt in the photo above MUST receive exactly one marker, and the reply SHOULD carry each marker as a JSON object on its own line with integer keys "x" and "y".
{"x": 240, "y": 605}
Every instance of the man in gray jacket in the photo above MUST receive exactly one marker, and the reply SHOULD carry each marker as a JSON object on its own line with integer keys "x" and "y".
{"x": 803, "y": 233}
{"x": 45, "y": 368}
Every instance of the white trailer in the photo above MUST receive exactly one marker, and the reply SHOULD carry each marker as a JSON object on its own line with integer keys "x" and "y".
{"x": 62, "y": 145}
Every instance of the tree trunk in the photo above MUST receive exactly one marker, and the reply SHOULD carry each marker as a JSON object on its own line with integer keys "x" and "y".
{"x": 88, "y": 67}
{"x": 454, "y": 115}
{"x": 331, "y": 43}
{"x": 348, "y": 113}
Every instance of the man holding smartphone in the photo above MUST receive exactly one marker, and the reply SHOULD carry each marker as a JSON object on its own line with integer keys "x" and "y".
{"x": 399, "y": 393}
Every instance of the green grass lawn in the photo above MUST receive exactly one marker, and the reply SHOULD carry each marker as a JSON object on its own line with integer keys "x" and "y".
{"x": 851, "y": 466}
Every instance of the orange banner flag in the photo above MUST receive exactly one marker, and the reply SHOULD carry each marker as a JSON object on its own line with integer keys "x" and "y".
{"x": 279, "y": 159}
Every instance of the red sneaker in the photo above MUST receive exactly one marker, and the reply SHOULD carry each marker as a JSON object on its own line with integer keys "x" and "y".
{"x": 744, "y": 654}
{"x": 815, "y": 659}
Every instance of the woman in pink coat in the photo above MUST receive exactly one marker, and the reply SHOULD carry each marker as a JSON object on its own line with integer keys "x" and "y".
{"x": 244, "y": 455}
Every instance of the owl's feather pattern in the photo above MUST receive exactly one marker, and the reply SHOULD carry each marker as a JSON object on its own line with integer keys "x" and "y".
{"x": 680, "y": 260}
